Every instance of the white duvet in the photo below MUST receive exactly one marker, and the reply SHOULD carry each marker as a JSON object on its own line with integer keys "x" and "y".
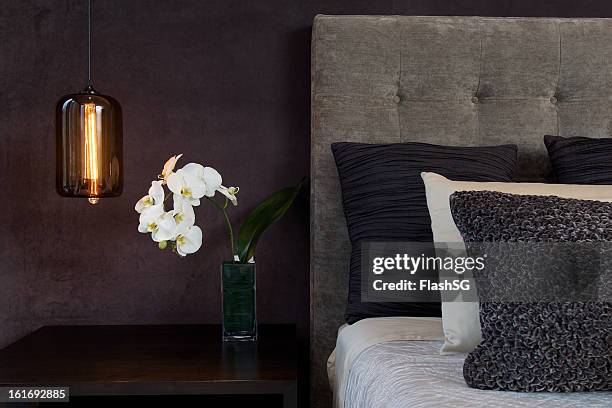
{"x": 395, "y": 362}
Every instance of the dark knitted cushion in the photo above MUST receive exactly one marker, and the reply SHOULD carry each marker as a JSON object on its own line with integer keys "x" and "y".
{"x": 550, "y": 345}
{"x": 384, "y": 200}
{"x": 580, "y": 160}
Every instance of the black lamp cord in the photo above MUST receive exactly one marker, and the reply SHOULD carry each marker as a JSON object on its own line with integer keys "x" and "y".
{"x": 89, "y": 42}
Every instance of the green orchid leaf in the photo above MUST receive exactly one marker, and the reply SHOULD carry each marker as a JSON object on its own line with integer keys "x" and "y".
{"x": 261, "y": 217}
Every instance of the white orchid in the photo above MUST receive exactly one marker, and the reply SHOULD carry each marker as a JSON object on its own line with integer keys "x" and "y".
{"x": 167, "y": 228}
{"x": 162, "y": 225}
{"x": 155, "y": 197}
{"x": 189, "y": 241}
{"x": 193, "y": 182}
{"x": 212, "y": 179}
{"x": 149, "y": 219}
{"x": 169, "y": 167}
{"x": 229, "y": 193}
{"x": 176, "y": 228}
{"x": 183, "y": 214}
{"x": 187, "y": 184}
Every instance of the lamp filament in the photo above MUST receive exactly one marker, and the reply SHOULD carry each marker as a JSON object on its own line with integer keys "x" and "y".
{"x": 91, "y": 151}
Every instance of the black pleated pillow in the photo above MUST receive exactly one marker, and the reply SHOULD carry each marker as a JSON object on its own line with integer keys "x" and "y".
{"x": 548, "y": 341}
{"x": 580, "y": 160}
{"x": 384, "y": 201}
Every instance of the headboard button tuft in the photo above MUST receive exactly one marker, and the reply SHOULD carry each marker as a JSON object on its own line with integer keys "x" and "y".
{"x": 396, "y": 99}
{"x": 475, "y": 99}
{"x": 553, "y": 99}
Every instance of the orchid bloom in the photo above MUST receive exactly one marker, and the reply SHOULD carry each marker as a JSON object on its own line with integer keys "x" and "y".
{"x": 193, "y": 182}
{"x": 188, "y": 185}
{"x": 166, "y": 228}
{"x": 212, "y": 179}
{"x": 169, "y": 167}
{"x": 155, "y": 197}
{"x": 229, "y": 193}
{"x": 149, "y": 218}
{"x": 189, "y": 241}
{"x": 184, "y": 215}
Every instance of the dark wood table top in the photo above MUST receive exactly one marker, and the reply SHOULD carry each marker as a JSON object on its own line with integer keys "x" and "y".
{"x": 99, "y": 360}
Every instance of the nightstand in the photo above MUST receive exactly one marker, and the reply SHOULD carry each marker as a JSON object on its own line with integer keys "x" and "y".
{"x": 169, "y": 360}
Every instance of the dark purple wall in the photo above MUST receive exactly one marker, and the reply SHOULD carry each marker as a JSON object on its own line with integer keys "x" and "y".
{"x": 226, "y": 83}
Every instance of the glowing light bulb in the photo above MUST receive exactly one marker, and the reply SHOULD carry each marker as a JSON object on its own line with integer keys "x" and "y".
{"x": 91, "y": 151}
{"x": 89, "y": 140}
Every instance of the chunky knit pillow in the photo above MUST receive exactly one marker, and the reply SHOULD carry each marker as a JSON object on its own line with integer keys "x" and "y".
{"x": 547, "y": 344}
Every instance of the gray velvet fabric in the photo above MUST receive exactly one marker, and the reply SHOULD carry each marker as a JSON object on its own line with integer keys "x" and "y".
{"x": 444, "y": 80}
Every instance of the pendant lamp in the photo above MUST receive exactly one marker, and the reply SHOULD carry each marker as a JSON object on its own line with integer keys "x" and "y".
{"x": 89, "y": 141}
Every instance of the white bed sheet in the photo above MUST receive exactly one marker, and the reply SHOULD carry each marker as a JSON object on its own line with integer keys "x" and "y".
{"x": 394, "y": 362}
{"x": 354, "y": 339}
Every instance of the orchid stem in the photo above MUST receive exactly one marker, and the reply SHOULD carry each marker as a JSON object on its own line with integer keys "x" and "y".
{"x": 227, "y": 222}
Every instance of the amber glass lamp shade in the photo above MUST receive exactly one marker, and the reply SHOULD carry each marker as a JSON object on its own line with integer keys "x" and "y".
{"x": 89, "y": 146}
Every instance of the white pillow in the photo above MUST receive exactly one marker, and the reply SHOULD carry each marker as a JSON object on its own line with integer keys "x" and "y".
{"x": 460, "y": 320}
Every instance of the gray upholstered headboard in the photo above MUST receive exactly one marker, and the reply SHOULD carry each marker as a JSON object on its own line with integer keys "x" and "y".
{"x": 443, "y": 80}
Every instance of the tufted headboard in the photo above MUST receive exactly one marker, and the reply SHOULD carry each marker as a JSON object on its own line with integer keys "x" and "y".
{"x": 443, "y": 80}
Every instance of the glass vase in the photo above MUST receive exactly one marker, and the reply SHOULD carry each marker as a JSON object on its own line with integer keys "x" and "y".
{"x": 238, "y": 291}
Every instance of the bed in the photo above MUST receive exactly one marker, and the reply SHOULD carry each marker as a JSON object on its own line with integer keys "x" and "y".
{"x": 447, "y": 80}
{"x": 395, "y": 362}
